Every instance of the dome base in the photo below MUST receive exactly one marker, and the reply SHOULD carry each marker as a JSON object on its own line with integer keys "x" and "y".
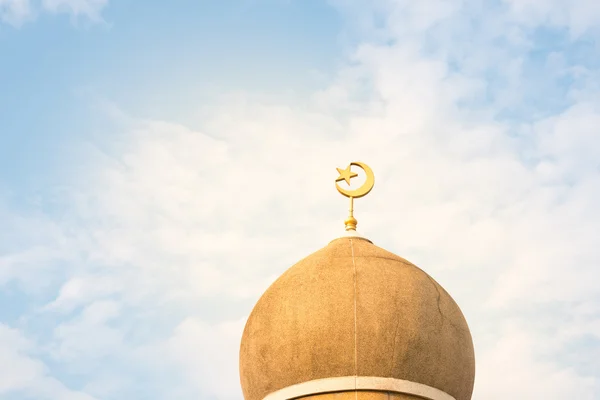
{"x": 340, "y": 387}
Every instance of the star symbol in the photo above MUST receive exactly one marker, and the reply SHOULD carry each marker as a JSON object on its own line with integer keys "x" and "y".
{"x": 345, "y": 174}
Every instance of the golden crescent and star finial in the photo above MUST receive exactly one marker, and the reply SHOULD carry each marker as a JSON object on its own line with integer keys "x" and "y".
{"x": 346, "y": 175}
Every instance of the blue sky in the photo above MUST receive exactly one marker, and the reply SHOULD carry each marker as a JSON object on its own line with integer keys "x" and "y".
{"x": 161, "y": 163}
{"x": 154, "y": 61}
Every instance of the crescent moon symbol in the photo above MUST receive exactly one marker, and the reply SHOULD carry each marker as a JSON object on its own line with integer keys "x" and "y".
{"x": 365, "y": 188}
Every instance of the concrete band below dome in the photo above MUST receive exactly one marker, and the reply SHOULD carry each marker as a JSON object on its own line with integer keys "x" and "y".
{"x": 351, "y": 383}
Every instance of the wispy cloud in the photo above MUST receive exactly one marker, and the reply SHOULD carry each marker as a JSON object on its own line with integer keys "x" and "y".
{"x": 90, "y": 9}
{"x": 24, "y": 373}
{"x": 14, "y": 12}
{"x": 17, "y": 12}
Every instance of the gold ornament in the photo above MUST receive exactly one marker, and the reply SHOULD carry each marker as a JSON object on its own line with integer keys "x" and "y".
{"x": 346, "y": 175}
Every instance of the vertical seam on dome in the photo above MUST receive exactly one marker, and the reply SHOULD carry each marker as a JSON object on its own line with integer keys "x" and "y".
{"x": 355, "y": 323}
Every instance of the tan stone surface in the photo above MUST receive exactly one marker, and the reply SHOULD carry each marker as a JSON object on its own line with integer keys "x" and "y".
{"x": 361, "y": 395}
{"x": 407, "y": 326}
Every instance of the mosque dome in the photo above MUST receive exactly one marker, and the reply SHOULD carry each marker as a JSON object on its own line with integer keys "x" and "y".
{"x": 354, "y": 321}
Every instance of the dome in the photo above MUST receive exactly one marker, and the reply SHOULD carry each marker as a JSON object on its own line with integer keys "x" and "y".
{"x": 350, "y": 317}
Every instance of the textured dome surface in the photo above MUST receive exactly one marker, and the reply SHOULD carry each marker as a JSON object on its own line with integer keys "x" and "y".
{"x": 354, "y": 309}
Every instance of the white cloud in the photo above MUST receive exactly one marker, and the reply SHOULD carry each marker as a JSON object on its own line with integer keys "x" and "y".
{"x": 407, "y": 17}
{"x": 89, "y": 336}
{"x": 207, "y": 354}
{"x": 90, "y": 9}
{"x": 22, "y": 369}
{"x": 15, "y": 12}
{"x": 578, "y": 16}
{"x": 21, "y": 373}
{"x": 511, "y": 369}
{"x": 78, "y": 290}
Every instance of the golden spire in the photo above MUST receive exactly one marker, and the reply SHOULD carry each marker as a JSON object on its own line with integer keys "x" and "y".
{"x": 346, "y": 175}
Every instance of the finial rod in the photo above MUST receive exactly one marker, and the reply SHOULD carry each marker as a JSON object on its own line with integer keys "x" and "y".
{"x": 351, "y": 222}
{"x": 346, "y": 175}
